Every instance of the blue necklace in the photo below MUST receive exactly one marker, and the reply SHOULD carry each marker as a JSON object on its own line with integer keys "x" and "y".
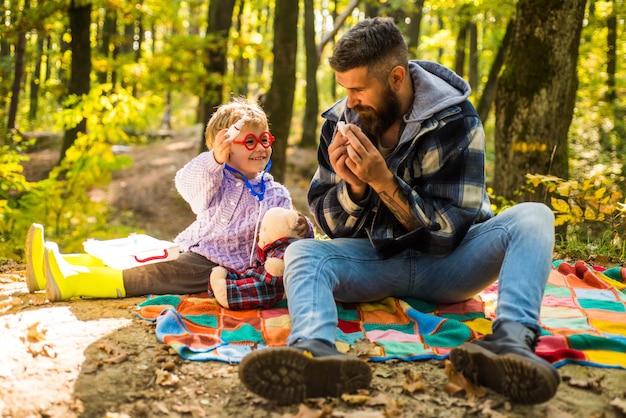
{"x": 257, "y": 191}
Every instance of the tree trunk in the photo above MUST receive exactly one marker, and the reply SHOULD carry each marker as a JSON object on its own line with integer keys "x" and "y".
{"x": 414, "y": 28}
{"x": 459, "y": 53}
{"x": 489, "y": 90}
{"x": 611, "y": 55}
{"x": 241, "y": 65}
{"x": 464, "y": 19}
{"x": 220, "y": 18}
{"x": 536, "y": 94}
{"x": 36, "y": 79}
{"x": 18, "y": 74}
{"x": 279, "y": 101}
{"x": 80, "y": 22}
{"x": 109, "y": 29}
{"x": 473, "y": 72}
{"x": 311, "y": 107}
{"x": 313, "y": 55}
{"x": 5, "y": 56}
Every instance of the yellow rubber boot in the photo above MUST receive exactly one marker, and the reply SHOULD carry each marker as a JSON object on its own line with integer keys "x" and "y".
{"x": 65, "y": 281}
{"x": 35, "y": 275}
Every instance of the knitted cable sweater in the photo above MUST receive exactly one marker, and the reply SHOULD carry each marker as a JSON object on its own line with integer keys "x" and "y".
{"x": 226, "y": 212}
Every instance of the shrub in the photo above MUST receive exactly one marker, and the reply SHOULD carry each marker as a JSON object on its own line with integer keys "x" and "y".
{"x": 63, "y": 202}
{"x": 591, "y": 212}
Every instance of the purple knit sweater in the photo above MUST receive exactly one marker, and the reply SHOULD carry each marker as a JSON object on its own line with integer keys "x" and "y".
{"x": 226, "y": 212}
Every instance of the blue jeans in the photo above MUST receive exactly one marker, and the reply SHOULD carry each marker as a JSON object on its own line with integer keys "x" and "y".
{"x": 514, "y": 247}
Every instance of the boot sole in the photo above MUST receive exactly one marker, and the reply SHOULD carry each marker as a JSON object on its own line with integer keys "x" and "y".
{"x": 53, "y": 293}
{"x": 288, "y": 376}
{"x": 31, "y": 276}
{"x": 516, "y": 377}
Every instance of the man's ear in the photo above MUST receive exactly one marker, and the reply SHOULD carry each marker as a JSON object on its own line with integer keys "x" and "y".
{"x": 396, "y": 77}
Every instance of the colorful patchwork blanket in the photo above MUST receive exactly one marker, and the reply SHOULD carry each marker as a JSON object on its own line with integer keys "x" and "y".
{"x": 583, "y": 317}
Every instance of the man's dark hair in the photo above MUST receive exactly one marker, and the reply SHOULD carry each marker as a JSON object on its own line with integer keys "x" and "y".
{"x": 375, "y": 43}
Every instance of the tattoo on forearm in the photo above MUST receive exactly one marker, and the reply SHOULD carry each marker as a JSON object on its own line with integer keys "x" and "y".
{"x": 398, "y": 205}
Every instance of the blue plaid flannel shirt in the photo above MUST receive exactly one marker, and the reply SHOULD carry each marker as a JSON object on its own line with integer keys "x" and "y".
{"x": 439, "y": 163}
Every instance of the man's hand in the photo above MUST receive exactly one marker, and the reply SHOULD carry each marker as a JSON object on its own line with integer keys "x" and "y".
{"x": 357, "y": 161}
{"x": 364, "y": 159}
{"x": 338, "y": 154}
{"x": 365, "y": 165}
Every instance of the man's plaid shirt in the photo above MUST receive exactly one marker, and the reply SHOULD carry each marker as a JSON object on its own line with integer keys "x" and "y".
{"x": 439, "y": 163}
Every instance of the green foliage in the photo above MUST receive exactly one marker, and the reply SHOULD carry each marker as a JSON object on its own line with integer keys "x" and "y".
{"x": 591, "y": 211}
{"x": 110, "y": 112}
{"x": 66, "y": 202}
{"x": 12, "y": 184}
{"x": 498, "y": 203}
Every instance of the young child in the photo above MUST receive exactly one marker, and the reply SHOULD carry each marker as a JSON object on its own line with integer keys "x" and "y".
{"x": 228, "y": 188}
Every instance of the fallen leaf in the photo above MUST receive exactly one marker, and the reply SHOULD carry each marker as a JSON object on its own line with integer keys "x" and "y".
{"x": 306, "y": 412}
{"x": 37, "y": 299}
{"x": 364, "y": 348}
{"x": 379, "y": 400}
{"x": 8, "y": 302}
{"x": 36, "y": 334}
{"x": 106, "y": 348}
{"x": 161, "y": 407}
{"x": 169, "y": 366}
{"x": 225, "y": 371}
{"x": 41, "y": 349}
{"x": 457, "y": 383}
{"x": 120, "y": 358}
{"x": 488, "y": 411}
{"x": 118, "y": 355}
{"x": 385, "y": 374}
{"x": 194, "y": 410}
{"x": 394, "y": 409}
{"x": 355, "y": 399}
{"x": 620, "y": 404}
{"x": 413, "y": 382}
{"x": 594, "y": 384}
{"x": 48, "y": 351}
{"x": 165, "y": 378}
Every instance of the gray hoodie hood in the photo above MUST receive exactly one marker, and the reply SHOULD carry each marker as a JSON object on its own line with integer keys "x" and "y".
{"x": 436, "y": 88}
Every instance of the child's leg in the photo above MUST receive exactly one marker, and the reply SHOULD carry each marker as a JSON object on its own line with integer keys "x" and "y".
{"x": 218, "y": 285}
{"x": 65, "y": 281}
{"x": 189, "y": 273}
{"x": 249, "y": 293}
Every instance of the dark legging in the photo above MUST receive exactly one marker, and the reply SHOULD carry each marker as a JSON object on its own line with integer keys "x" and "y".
{"x": 189, "y": 273}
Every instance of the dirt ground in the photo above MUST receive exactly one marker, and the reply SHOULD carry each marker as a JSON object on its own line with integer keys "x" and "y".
{"x": 94, "y": 358}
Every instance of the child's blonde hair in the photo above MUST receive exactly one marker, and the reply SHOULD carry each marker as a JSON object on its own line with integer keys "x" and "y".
{"x": 229, "y": 113}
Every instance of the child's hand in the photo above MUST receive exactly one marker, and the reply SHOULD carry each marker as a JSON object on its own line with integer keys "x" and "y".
{"x": 221, "y": 147}
{"x": 302, "y": 226}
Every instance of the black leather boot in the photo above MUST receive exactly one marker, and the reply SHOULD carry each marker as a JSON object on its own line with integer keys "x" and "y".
{"x": 308, "y": 369}
{"x": 505, "y": 362}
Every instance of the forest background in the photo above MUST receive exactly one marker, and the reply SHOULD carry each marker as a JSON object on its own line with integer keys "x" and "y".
{"x": 87, "y": 76}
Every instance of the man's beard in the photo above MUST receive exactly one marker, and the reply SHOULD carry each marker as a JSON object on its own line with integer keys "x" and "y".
{"x": 376, "y": 122}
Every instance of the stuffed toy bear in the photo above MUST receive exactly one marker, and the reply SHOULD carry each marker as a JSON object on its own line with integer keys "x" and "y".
{"x": 259, "y": 286}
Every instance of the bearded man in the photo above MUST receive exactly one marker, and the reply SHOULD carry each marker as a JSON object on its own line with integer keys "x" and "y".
{"x": 400, "y": 190}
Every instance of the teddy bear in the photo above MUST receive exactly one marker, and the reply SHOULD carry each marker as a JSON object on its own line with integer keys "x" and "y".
{"x": 259, "y": 286}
